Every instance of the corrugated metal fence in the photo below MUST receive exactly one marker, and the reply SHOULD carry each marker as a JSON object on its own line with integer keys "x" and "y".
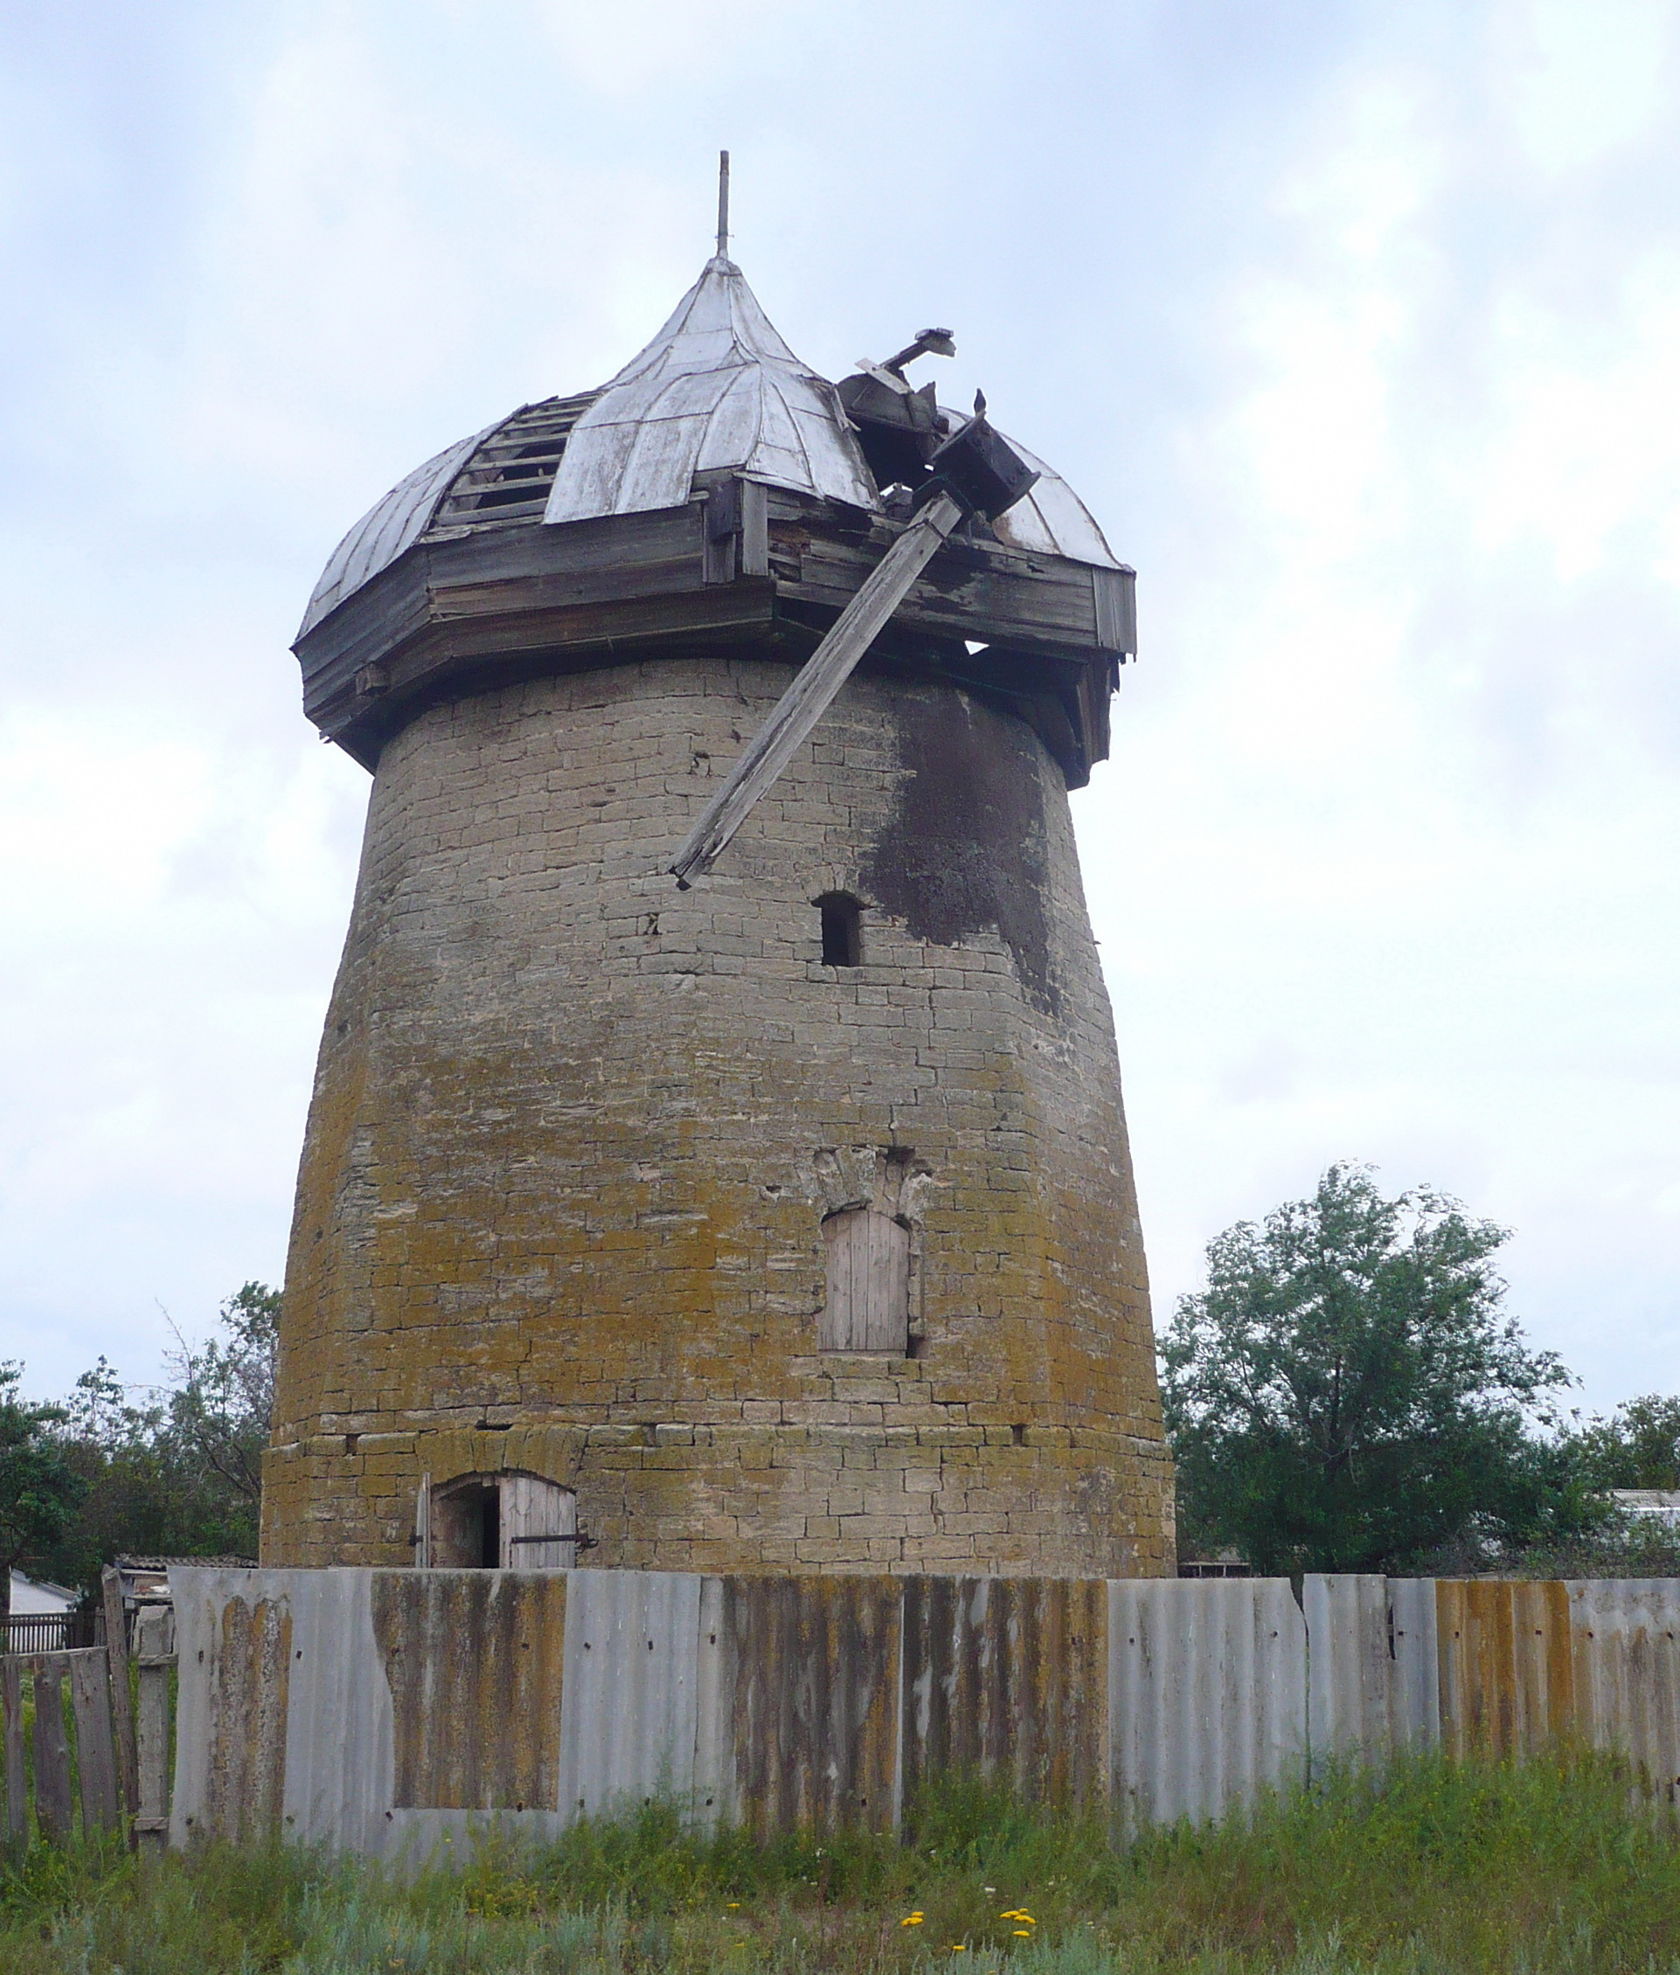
{"x": 387, "y": 1710}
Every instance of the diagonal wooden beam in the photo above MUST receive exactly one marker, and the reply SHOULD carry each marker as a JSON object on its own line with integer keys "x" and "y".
{"x": 813, "y": 690}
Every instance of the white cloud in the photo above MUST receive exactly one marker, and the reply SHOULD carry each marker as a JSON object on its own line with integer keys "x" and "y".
{"x": 1580, "y": 82}
{"x": 1584, "y": 454}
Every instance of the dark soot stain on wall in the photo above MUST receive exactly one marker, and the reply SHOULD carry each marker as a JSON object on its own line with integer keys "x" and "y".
{"x": 964, "y": 850}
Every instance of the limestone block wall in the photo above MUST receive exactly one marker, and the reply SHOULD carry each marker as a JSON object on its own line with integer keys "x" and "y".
{"x": 575, "y": 1134}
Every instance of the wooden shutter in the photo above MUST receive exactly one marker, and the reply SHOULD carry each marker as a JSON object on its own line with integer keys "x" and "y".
{"x": 534, "y": 1507}
{"x": 868, "y": 1305}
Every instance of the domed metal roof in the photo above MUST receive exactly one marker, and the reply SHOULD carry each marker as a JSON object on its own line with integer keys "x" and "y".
{"x": 716, "y": 390}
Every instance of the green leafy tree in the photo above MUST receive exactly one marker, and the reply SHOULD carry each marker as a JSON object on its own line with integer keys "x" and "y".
{"x": 178, "y": 1473}
{"x": 39, "y": 1489}
{"x": 1347, "y": 1393}
{"x": 1636, "y": 1446}
{"x": 224, "y": 1402}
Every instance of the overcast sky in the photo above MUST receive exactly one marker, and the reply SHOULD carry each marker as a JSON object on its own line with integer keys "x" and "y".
{"x": 1357, "y": 325}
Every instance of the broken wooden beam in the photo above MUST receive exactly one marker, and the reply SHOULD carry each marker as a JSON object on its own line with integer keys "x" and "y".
{"x": 813, "y": 690}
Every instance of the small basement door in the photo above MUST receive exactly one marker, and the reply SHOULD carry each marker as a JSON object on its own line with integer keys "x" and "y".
{"x": 496, "y": 1522}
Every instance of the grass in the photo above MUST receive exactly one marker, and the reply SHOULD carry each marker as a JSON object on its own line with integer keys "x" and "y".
{"x": 1544, "y": 1869}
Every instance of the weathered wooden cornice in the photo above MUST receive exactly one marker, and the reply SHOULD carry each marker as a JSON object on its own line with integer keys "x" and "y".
{"x": 760, "y": 571}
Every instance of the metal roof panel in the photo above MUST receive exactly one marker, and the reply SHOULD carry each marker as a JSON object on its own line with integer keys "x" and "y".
{"x": 716, "y": 389}
{"x": 389, "y": 527}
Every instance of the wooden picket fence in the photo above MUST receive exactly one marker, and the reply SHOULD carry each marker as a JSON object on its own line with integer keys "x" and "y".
{"x": 81, "y": 1751}
{"x": 46, "y": 1632}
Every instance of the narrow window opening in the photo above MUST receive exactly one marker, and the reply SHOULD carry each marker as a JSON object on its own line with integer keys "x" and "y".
{"x": 842, "y": 929}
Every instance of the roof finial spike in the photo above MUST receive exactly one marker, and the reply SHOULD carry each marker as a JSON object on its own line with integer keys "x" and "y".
{"x": 723, "y": 206}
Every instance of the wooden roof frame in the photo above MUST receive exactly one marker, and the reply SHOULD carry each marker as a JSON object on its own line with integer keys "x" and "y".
{"x": 754, "y": 569}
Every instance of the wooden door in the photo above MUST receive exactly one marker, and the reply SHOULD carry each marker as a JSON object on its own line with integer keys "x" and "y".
{"x": 868, "y": 1304}
{"x": 535, "y": 1515}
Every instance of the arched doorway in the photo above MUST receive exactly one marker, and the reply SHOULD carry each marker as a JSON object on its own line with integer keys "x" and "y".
{"x": 507, "y": 1521}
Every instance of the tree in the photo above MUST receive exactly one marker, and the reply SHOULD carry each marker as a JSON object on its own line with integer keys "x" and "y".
{"x": 176, "y": 1474}
{"x": 1346, "y": 1393}
{"x": 225, "y": 1401}
{"x": 39, "y": 1489}
{"x": 1638, "y": 1446}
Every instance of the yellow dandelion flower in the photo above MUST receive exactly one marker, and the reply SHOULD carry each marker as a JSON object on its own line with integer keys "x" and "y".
{"x": 1023, "y": 1933}
{"x": 732, "y": 1904}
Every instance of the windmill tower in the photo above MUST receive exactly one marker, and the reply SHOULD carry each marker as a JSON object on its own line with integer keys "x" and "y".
{"x": 779, "y": 1219}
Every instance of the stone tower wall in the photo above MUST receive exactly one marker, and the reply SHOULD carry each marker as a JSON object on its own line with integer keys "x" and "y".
{"x": 575, "y": 1134}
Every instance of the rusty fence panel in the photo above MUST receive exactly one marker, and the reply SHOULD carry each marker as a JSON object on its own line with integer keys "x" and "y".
{"x": 1207, "y": 1695}
{"x": 473, "y": 1660}
{"x": 811, "y": 1678}
{"x": 254, "y": 1656}
{"x": 1523, "y": 1665}
{"x": 394, "y": 1711}
{"x": 1372, "y": 1673}
{"x": 381, "y": 1711}
{"x": 1005, "y": 1679}
{"x": 1626, "y": 1639}
{"x": 1507, "y": 1668}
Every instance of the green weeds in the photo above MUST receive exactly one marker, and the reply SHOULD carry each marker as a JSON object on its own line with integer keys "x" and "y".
{"x": 1443, "y": 1869}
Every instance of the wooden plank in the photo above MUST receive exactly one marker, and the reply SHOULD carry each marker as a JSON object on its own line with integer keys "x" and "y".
{"x": 867, "y": 1307}
{"x": 16, "y": 1807}
{"x": 1113, "y": 595}
{"x": 835, "y": 1320}
{"x": 727, "y": 607}
{"x": 54, "y": 1809}
{"x": 506, "y": 595}
{"x": 504, "y": 513}
{"x": 532, "y": 1507}
{"x": 392, "y": 607}
{"x": 723, "y": 532}
{"x": 888, "y": 1327}
{"x": 976, "y": 591}
{"x": 122, "y": 1711}
{"x": 814, "y": 687}
{"x": 154, "y": 1639}
{"x": 576, "y": 549}
{"x": 755, "y": 529}
{"x": 96, "y": 1756}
